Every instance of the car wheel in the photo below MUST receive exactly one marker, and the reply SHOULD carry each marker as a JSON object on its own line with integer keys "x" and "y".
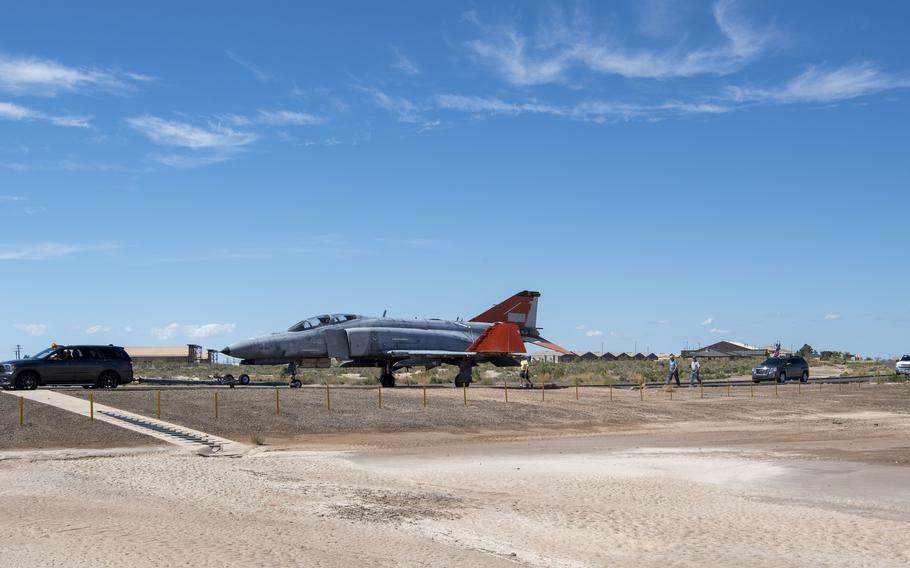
{"x": 805, "y": 377}
{"x": 244, "y": 379}
{"x": 108, "y": 380}
{"x": 27, "y": 381}
{"x": 296, "y": 384}
{"x": 782, "y": 378}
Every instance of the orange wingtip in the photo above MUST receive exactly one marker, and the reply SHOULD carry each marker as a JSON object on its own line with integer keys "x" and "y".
{"x": 499, "y": 338}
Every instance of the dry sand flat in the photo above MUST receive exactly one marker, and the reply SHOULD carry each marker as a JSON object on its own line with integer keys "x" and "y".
{"x": 682, "y": 483}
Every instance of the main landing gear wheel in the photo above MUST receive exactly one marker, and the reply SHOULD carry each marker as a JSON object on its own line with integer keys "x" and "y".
{"x": 244, "y": 379}
{"x": 387, "y": 380}
{"x": 295, "y": 384}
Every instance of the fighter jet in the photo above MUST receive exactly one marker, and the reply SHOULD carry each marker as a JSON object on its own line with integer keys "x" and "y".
{"x": 496, "y": 336}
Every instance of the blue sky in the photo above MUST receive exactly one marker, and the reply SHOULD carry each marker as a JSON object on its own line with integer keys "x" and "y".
{"x": 663, "y": 172}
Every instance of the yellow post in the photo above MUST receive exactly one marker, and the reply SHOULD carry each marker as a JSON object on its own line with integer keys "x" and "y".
{"x": 464, "y": 390}
{"x": 751, "y": 391}
{"x": 277, "y": 403}
{"x": 819, "y": 387}
{"x": 799, "y": 388}
{"x": 216, "y": 404}
{"x": 543, "y": 390}
{"x": 380, "y": 396}
{"x": 611, "y": 393}
{"x": 158, "y": 404}
{"x": 424, "y": 396}
{"x": 328, "y": 398}
{"x": 576, "y": 389}
{"x": 775, "y": 389}
{"x": 91, "y": 405}
{"x": 505, "y": 385}
{"x": 728, "y": 391}
{"x": 641, "y": 391}
{"x": 701, "y": 388}
{"x": 671, "y": 392}
{"x": 21, "y": 411}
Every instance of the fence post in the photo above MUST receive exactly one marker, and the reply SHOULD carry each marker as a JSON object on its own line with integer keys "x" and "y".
{"x": 728, "y": 391}
{"x": 464, "y": 390}
{"x": 91, "y": 405}
{"x": 775, "y": 389}
{"x": 328, "y": 398}
{"x": 701, "y": 388}
{"x": 424, "y": 396}
{"x": 158, "y": 404}
{"x": 505, "y": 385}
{"x": 751, "y": 391}
{"x": 216, "y": 404}
{"x": 641, "y": 391}
{"x": 611, "y": 393}
{"x": 543, "y": 390}
{"x": 21, "y": 411}
{"x": 277, "y": 403}
{"x": 380, "y": 396}
{"x": 671, "y": 392}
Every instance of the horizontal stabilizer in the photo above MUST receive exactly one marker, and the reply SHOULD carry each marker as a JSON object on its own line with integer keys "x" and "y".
{"x": 552, "y": 346}
{"x": 499, "y": 338}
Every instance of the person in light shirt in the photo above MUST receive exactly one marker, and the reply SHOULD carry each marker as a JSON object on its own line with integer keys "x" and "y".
{"x": 693, "y": 374}
{"x": 674, "y": 370}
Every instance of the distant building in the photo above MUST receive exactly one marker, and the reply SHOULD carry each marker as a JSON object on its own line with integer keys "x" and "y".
{"x": 725, "y": 350}
{"x": 189, "y": 353}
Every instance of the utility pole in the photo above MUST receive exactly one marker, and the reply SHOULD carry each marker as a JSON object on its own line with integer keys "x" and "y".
{"x": 18, "y": 351}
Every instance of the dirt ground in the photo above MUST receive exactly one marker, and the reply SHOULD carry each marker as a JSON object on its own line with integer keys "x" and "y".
{"x": 46, "y": 427}
{"x": 805, "y": 478}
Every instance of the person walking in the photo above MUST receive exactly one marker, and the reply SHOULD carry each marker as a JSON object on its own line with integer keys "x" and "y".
{"x": 693, "y": 375}
{"x": 525, "y": 373}
{"x": 674, "y": 370}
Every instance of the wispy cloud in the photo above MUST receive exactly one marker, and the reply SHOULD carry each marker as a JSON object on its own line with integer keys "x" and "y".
{"x": 820, "y": 85}
{"x": 404, "y": 63}
{"x": 287, "y": 118}
{"x": 832, "y": 316}
{"x": 562, "y": 45}
{"x": 182, "y": 161}
{"x": 708, "y": 321}
{"x": 10, "y": 198}
{"x": 46, "y": 77}
{"x": 594, "y": 333}
{"x": 50, "y": 251}
{"x": 717, "y": 330}
{"x": 12, "y": 111}
{"x": 15, "y": 166}
{"x": 404, "y": 109}
{"x": 258, "y": 73}
{"x": 193, "y": 331}
{"x": 92, "y": 330}
{"x": 32, "y": 328}
{"x": 174, "y": 133}
{"x": 592, "y": 111}
{"x": 581, "y": 327}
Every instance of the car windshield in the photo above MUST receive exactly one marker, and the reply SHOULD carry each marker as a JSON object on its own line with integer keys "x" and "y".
{"x": 771, "y": 362}
{"x": 317, "y": 321}
{"x": 44, "y": 354}
{"x": 905, "y": 358}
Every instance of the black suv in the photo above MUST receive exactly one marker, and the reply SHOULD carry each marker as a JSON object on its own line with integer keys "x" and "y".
{"x": 104, "y": 366}
{"x": 781, "y": 369}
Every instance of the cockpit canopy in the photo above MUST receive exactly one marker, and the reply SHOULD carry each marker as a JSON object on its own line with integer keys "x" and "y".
{"x": 318, "y": 321}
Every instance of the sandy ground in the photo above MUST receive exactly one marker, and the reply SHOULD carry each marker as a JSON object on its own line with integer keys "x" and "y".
{"x": 809, "y": 480}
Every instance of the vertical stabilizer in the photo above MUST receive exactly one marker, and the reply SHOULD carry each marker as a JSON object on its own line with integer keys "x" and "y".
{"x": 520, "y": 309}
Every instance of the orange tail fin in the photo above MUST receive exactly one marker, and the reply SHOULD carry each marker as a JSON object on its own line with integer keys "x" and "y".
{"x": 499, "y": 338}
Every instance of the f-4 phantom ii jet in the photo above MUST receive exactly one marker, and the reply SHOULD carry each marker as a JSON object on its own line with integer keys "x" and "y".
{"x": 496, "y": 336}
